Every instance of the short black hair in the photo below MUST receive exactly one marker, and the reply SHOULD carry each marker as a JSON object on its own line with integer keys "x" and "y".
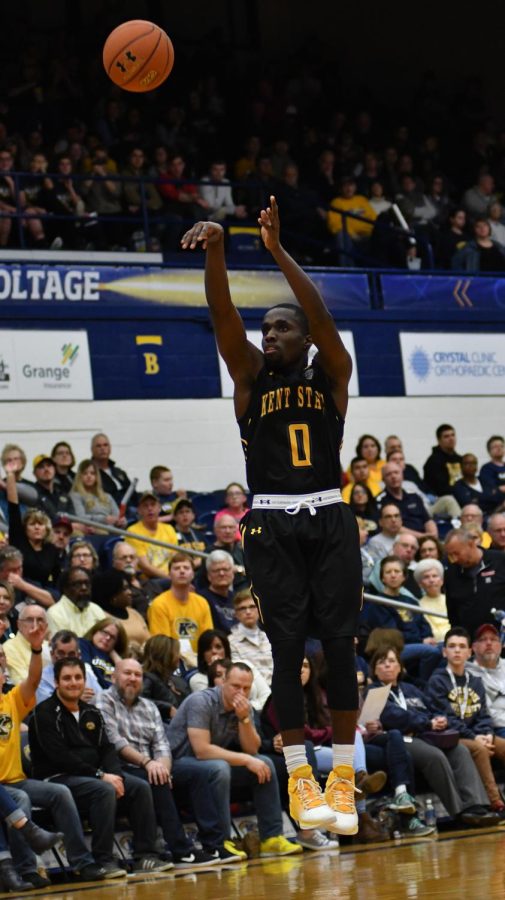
{"x": 358, "y": 459}
{"x": 492, "y": 439}
{"x": 457, "y": 631}
{"x": 65, "y": 636}
{"x": 242, "y": 666}
{"x": 297, "y": 312}
{"x": 441, "y": 428}
{"x": 73, "y": 662}
{"x": 393, "y": 559}
{"x": 66, "y": 575}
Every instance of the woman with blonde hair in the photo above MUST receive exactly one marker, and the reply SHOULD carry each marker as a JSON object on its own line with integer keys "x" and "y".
{"x": 89, "y": 498}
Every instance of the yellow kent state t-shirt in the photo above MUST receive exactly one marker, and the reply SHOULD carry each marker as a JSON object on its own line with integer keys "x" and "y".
{"x": 13, "y": 710}
{"x": 184, "y": 620}
{"x": 156, "y": 556}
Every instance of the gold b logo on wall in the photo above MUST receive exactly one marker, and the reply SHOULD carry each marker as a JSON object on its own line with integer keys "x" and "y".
{"x": 151, "y": 361}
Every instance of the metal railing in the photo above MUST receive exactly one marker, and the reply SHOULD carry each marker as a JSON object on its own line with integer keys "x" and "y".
{"x": 131, "y": 536}
{"x": 149, "y": 222}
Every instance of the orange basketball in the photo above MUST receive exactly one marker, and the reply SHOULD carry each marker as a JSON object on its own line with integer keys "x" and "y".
{"x": 138, "y": 55}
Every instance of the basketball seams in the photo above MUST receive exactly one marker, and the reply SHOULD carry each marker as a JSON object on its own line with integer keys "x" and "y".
{"x": 146, "y": 71}
{"x": 169, "y": 58}
{"x": 138, "y": 73}
{"x": 129, "y": 43}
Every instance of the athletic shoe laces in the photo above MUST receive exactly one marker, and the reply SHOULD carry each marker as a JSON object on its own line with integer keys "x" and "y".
{"x": 309, "y": 792}
{"x": 341, "y": 793}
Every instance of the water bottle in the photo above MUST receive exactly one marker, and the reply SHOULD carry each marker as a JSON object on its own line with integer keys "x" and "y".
{"x": 429, "y": 814}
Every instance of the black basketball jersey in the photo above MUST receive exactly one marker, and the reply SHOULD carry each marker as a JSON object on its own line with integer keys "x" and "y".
{"x": 291, "y": 433}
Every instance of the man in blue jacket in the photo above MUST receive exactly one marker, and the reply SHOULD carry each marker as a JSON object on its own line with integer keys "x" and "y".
{"x": 461, "y": 698}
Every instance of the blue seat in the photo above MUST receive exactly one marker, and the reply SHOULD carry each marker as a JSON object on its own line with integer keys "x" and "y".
{"x": 208, "y": 501}
{"x": 106, "y": 551}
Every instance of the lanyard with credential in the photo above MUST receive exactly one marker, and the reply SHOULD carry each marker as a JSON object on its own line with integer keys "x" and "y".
{"x": 399, "y": 698}
{"x": 462, "y": 705}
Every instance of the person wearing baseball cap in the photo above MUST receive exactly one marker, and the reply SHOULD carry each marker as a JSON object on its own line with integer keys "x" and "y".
{"x": 152, "y": 559}
{"x": 488, "y": 664}
{"x": 50, "y": 496}
{"x": 188, "y": 536}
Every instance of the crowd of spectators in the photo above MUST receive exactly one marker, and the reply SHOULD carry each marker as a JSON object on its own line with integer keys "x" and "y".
{"x": 143, "y": 673}
{"x": 136, "y": 170}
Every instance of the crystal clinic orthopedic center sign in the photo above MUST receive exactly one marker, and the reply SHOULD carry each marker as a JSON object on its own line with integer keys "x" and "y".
{"x": 255, "y": 338}
{"x": 45, "y": 365}
{"x": 453, "y": 364}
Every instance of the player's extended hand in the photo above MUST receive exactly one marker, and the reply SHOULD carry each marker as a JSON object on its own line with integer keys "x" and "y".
{"x": 270, "y": 226}
{"x": 203, "y": 233}
{"x": 258, "y": 768}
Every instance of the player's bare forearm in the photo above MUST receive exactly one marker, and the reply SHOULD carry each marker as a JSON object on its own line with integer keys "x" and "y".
{"x": 303, "y": 288}
{"x": 322, "y": 328}
{"x": 217, "y": 288}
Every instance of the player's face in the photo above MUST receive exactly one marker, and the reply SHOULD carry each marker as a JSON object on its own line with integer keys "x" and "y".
{"x": 284, "y": 342}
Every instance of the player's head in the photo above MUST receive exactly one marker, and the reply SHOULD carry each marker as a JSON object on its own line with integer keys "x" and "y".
{"x": 286, "y": 339}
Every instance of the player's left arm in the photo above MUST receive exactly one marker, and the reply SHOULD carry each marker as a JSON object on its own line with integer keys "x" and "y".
{"x": 332, "y": 356}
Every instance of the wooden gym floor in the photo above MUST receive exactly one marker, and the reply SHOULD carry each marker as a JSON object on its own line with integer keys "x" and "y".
{"x": 454, "y": 865}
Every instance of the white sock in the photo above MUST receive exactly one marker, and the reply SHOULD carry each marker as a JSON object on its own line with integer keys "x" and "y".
{"x": 343, "y": 754}
{"x": 295, "y": 756}
{"x": 400, "y": 789}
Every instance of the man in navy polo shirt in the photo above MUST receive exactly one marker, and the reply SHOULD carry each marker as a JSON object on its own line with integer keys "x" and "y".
{"x": 414, "y": 516}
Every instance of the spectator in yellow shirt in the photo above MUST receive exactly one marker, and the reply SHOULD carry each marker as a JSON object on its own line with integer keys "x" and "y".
{"x": 152, "y": 559}
{"x": 360, "y": 474}
{"x": 179, "y": 612}
{"x": 355, "y": 230}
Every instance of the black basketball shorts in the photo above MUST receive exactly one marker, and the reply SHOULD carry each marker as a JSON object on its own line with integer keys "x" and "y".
{"x": 305, "y": 571}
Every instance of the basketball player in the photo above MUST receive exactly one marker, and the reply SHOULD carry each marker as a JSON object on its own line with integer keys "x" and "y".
{"x": 300, "y": 541}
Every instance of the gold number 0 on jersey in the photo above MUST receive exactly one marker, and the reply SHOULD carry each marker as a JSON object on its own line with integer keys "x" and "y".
{"x": 299, "y": 439}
